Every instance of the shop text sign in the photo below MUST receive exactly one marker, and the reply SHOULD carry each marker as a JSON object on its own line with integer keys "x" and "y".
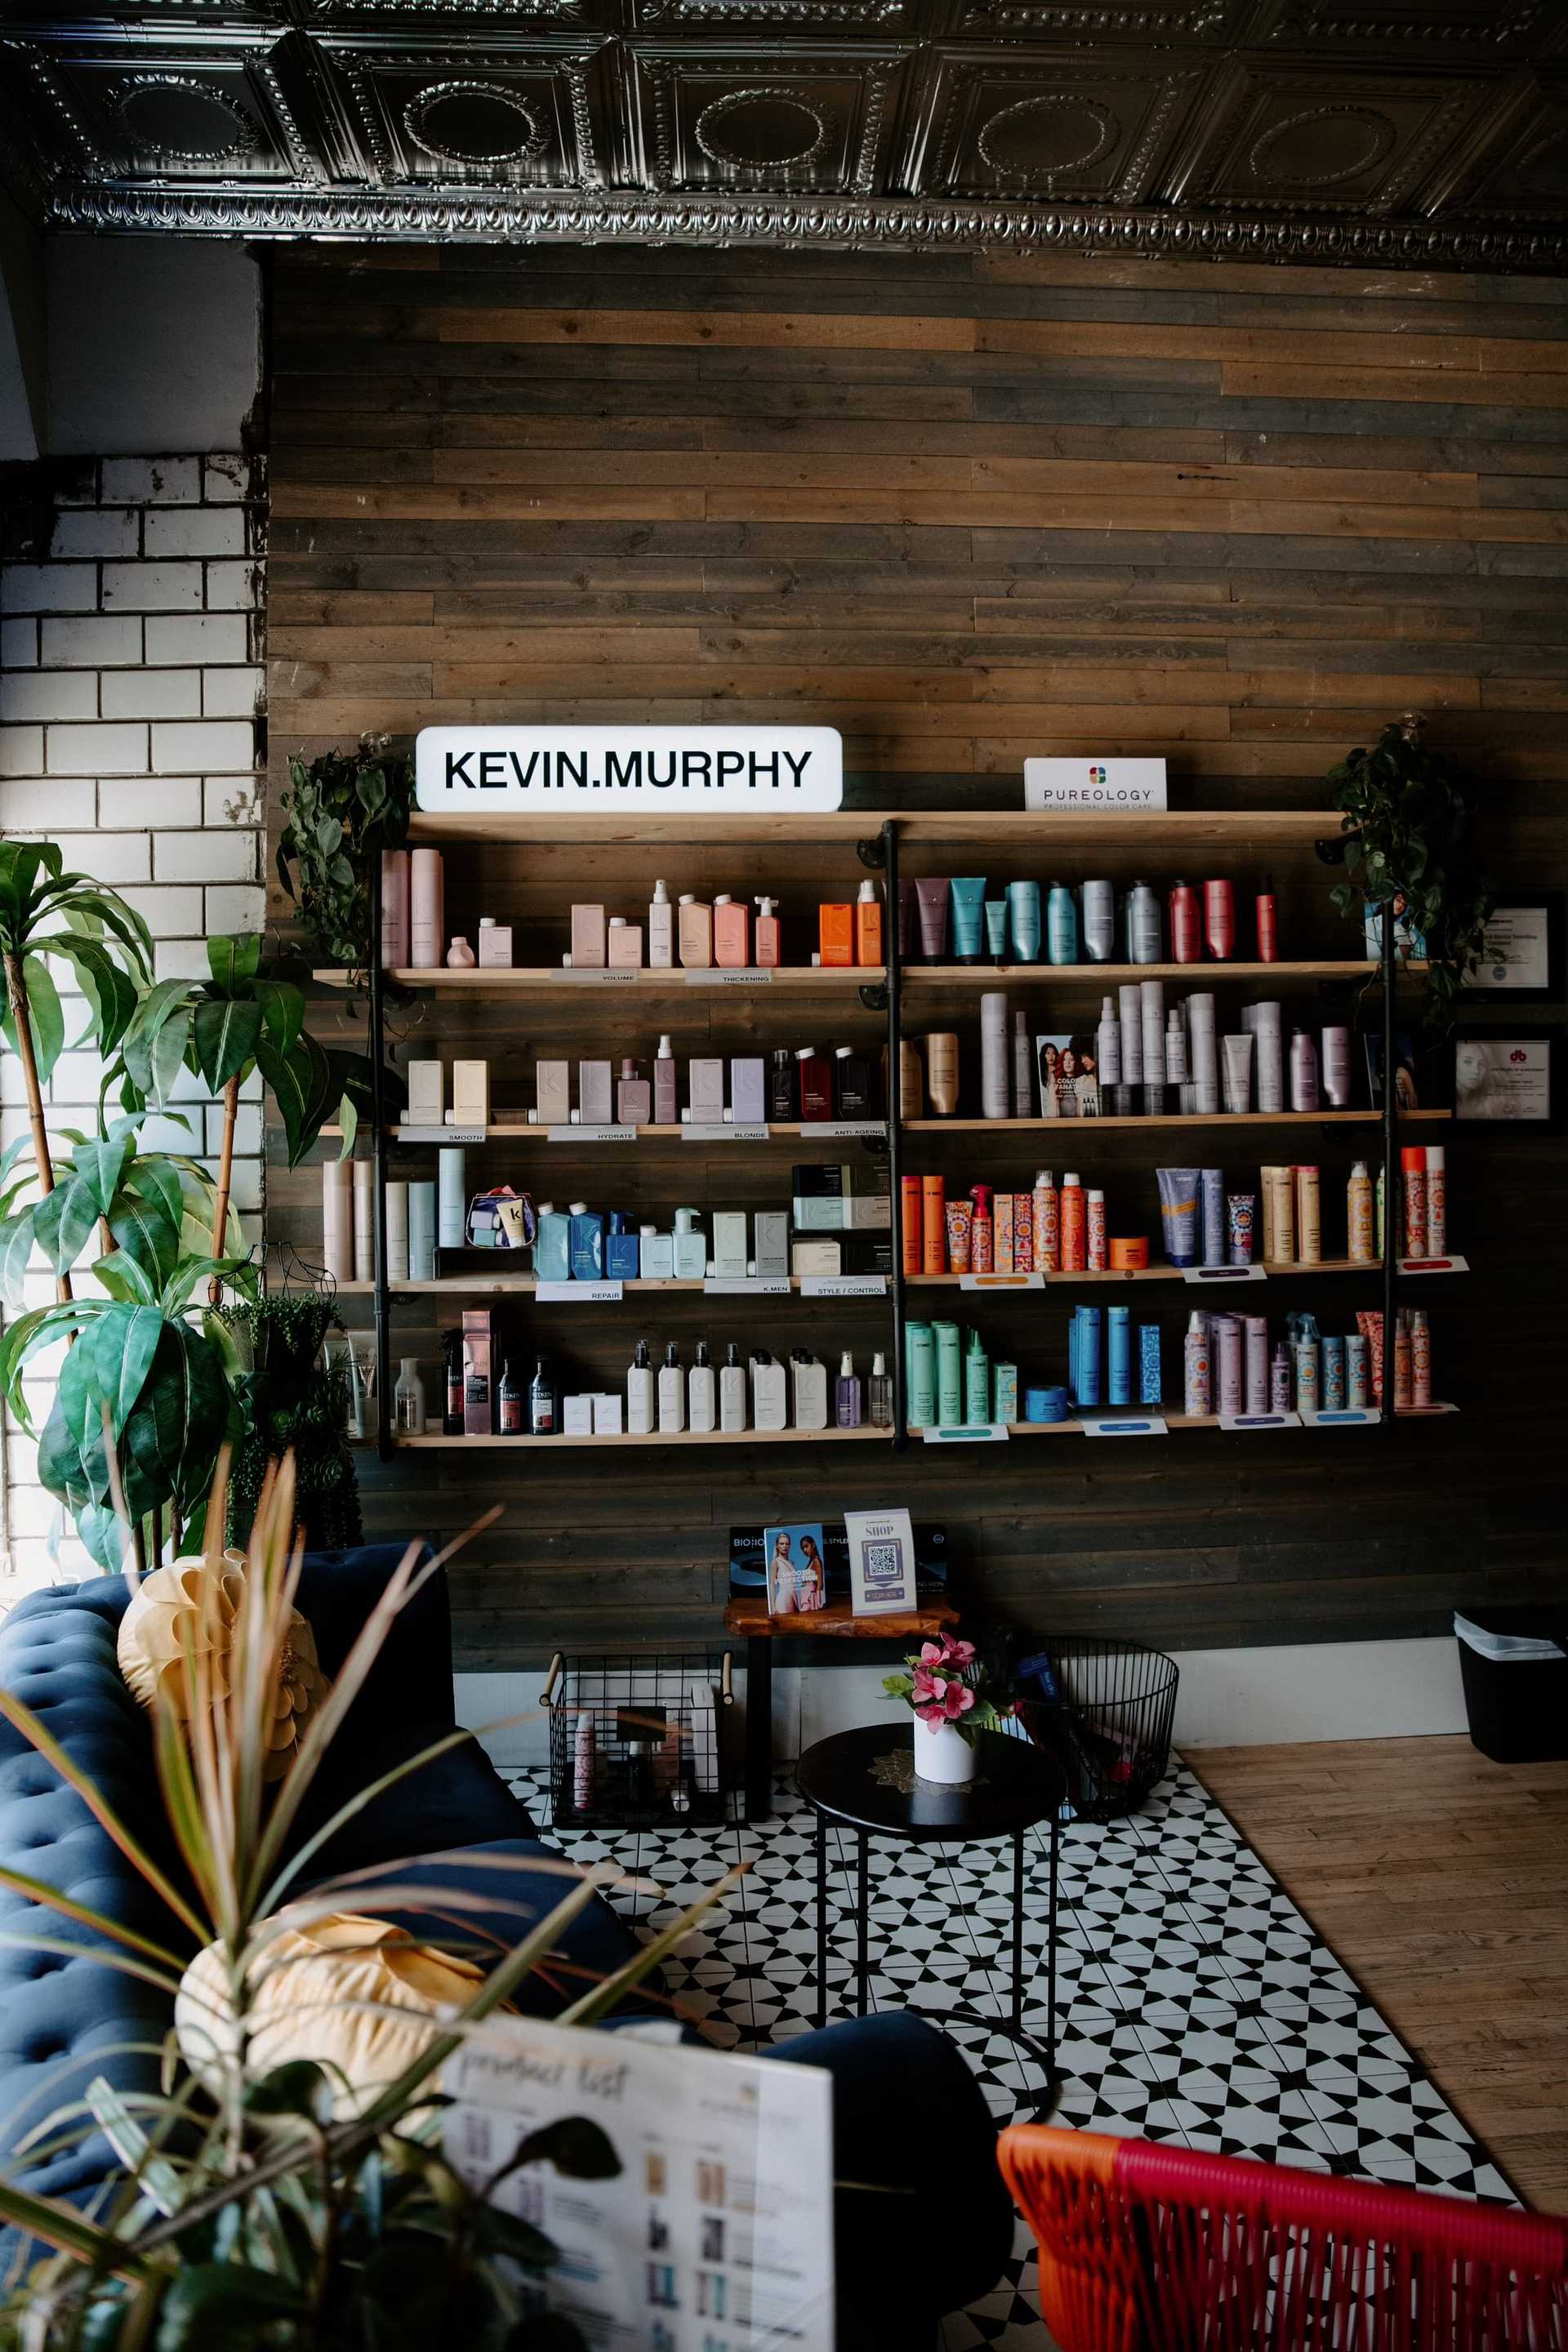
{"x": 612, "y": 771}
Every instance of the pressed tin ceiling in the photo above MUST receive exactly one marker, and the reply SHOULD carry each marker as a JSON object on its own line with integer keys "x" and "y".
{"x": 1395, "y": 132}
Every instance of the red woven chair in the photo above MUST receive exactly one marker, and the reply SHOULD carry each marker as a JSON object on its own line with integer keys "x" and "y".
{"x": 1153, "y": 2249}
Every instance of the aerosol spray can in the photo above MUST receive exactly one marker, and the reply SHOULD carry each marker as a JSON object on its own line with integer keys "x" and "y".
{"x": 1196, "y": 1383}
{"x": 1420, "y": 1357}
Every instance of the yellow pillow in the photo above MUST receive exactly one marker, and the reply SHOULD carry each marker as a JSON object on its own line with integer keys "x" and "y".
{"x": 357, "y": 1995}
{"x": 192, "y": 1605}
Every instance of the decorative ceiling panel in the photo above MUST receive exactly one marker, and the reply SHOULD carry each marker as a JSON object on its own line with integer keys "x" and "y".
{"x": 1382, "y": 132}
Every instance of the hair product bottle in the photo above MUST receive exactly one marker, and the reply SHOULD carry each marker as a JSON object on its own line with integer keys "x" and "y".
{"x": 701, "y": 1392}
{"x": 640, "y": 1394}
{"x": 660, "y": 930}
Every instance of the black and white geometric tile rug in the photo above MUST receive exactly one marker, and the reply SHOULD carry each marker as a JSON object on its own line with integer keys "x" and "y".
{"x": 1196, "y": 2003}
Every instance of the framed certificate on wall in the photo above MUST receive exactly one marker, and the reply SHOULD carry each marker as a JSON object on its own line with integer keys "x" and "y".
{"x": 1506, "y": 1078}
{"x": 1522, "y": 952}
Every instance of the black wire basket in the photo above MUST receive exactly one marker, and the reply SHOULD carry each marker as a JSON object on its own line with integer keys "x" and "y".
{"x": 638, "y": 1742}
{"x": 1104, "y": 1710}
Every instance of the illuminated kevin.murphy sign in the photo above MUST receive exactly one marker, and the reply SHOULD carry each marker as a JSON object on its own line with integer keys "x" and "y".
{"x": 607, "y": 771}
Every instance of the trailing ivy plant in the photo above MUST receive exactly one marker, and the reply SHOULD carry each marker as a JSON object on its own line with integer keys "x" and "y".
{"x": 293, "y": 1403}
{"x": 1409, "y": 818}
{"x": 342, "y": 812}
{"x": 147, "y": 1392}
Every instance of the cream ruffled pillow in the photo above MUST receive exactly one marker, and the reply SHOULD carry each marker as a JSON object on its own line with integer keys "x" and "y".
{"x": 192, "y": 1606}
{"x": 357, "y": 1995}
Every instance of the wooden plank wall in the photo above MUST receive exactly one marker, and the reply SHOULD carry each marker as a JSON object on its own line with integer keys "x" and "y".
{"x": 965, "y": 510}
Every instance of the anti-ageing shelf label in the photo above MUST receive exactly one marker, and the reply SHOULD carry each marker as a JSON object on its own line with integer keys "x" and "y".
{"x": 842, "y": 1130}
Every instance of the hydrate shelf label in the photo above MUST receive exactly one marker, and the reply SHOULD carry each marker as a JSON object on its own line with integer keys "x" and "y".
{"x": 730, "y": 976}
{"x": 844, "y": 1286}
{"x": 1001, "y": 1282}
{"x": 746, "y": 1286}
{"x": 1224, "y": 1274}
{"x": 985, "y": 1433}
{"x": 1244, "y": 1420}
{"x": 842, "y": 1130}
{"x": 579, "y": 1293}
{"x": 590, "y": 1134}
{"x": 441, "y": 1134}
{"x": 696, "y": 1134}
{"x": 1126, "y": 1424}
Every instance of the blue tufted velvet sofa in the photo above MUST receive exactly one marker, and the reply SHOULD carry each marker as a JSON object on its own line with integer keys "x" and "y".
{"x": 907, "y": 2113}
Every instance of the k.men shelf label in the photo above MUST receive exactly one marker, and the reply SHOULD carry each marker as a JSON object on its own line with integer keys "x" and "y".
{"x": 613, "y": 771}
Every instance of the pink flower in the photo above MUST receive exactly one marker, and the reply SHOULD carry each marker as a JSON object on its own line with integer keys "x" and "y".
{"x": 959, "y": 1653}
{"x": 957, "y": 1699}
{"x": 932, "y": 1653}
{"x": 931, "y": 1715}
{"x": 926, "y": 1689}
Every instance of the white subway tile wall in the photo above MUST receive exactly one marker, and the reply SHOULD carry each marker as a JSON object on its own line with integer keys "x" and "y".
{"x": 130, "y": 732}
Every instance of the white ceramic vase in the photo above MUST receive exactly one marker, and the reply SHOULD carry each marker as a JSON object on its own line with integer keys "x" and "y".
{"x": 942, "y": 1754}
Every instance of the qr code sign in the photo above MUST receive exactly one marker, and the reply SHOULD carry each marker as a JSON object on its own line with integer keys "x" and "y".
{"x": 884, "y": 1563}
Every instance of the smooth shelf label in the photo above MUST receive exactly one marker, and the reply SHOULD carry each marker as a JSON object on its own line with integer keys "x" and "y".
{"x": 844, "y": 1286}
{"x": 1434, "y": 1265}
{"x": 841, "y": 1131}
{"x": 696, "y": 1134}
{"x": 1001, "y": 1282}
{"x": 579, "y": 1293}
{"x": 1127, "y": 1425}
{"x": 1332, "y": 1416}
{"x": 1224, "y": 1274}
{"x": 746, "y": 1286}
{"x": 590, "y": 1134}
{"x": 744, "y": 975}
{"x": 442, "y": 1134}
{"x": 985, "y": 1433}
{"x": 1234, "y": 1420}
{"x": 605, "y": 978}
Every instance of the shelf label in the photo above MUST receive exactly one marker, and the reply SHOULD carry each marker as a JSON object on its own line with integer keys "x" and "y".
{"x": 842, "y": 1130}
{"x": 1434, "y": 1265}
{"x": 1001, "y": 1282}
{"x": 1422, "y": 1412}
{"x": 694, "y": 1134}
{"x": 744, "y": 975}
{"x": 1224, "y": 1274}
{"x": 1127, "y": 1425}
{"x": 603, "y": 977}
{"x": 985, "y": 1433}
{"x": 1330, "y": 1417}
{"x": 579, "y": 1293}
{"x": 590, "y": 1134}
{"x": 441, "y": 1134}
{"x": 746, "y": 1286}
{"x": 1231, "y": 1422}
{"x": 844, "y": 1286}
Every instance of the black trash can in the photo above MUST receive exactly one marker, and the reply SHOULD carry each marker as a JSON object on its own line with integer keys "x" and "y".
{"x": 1514, "y": 1665}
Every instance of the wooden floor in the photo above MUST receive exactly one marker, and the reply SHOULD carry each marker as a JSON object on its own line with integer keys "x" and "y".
{"x": 1441, "y": 1882}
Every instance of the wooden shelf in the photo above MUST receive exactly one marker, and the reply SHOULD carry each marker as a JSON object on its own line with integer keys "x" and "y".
{"x": 1072, "y": 1129}
{"x": 1118, "y": 975}
{"x": 836, "y": 1620}
{"x": 778, "y": 1130}
{"x": 543, "y": 980}
{"x": 1273, "y": 1266}
{"x": 513, "y": 1285}
{"x": 1024, "y": 828}
{"x": 864, "y": 1436}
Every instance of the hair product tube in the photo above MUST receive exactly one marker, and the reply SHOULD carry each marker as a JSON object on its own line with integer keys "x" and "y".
{"x": 934, "y": 1226}
{"x": 1256, "y": 1329}
{"x": 912, "y": 1220}
{"x": 1023, "y": 1069}
{"x": 1237, "y": 1053}
{"x": 1152, "y": 1013}
{"x": 421, "y": 1231}
{"x": 1361, "y": 1245}
{"x": 1179, "y": 1190}
{"x": 1436, "y": 1201}
{"x": 1309, "y": 1217}
{"x": 1047, "y": 1224}
{"x": 1336, "y": 1064}
{"x": 428, "y": 927}
{"x": 1303, "y": 1072}
{"x": 1129, "y": 1006}
{"x": 1282, "y": 1214}
{"x": 364, "y": 1218}
{"x": 960, "y": 1224}
{"x": 1333, "y": 1375}
{"x": 942, "y": 1072}
{"x": 337, "y": 1218}
{"x": 1211, "y": 1189}
{"x": 920, "y": 1365}
{"x": 1240, "y": 1223}
{"x": 1205, "y": 1060}
{"x": 1089, "y": 1321}
{"x": 976, "y": 1384}
{"x": 949, "y": 1372}
{"x": 1178, "y": 1067}
{"x": 1196, "y": 1389}
{"x": 1023, "y": 920}
{"x": 1232, "y": 1389}
{"x": 931, "y": 901}
{"x": 1357, "y": 1395}
{"x": 1119, "y": 1355}
{"x": 396, "y": 1197}
{"x": 1413, "y": 1168}
{"x": 968, "y": 900}
{"x": 995, "y": 1091}
{"x": 996, "y": 913}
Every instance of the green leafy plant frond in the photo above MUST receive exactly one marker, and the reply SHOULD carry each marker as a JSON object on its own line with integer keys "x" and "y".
{"x": 340, "y": 812}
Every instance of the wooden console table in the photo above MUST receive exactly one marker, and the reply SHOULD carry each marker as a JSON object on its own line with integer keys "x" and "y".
{"x": 836, "y": 1623}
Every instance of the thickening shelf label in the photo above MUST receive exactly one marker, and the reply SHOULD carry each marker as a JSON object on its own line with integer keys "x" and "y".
{"x": 614, "y": 772}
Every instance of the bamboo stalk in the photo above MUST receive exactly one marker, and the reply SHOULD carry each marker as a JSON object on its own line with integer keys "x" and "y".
{"x": 17, "y": 989}
{"x": 225, "y": 1180}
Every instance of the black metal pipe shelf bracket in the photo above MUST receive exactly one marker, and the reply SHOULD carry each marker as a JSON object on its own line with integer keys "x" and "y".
{"x": 377, "y": 1022}
{"x": 888, "y": 860}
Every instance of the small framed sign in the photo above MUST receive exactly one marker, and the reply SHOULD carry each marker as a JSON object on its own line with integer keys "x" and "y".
{"x": 1522, "y": 952}
{"x": 1507, "y": 1078}
{"x": 1103, "y": 787}
{"x": 881, "y": 1562}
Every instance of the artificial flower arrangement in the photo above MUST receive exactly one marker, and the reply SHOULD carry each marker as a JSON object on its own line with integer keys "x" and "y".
{"x": 946, "y": 1685}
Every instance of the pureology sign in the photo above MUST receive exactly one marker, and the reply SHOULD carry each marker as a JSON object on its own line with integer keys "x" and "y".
{"x": 619, "y": 771}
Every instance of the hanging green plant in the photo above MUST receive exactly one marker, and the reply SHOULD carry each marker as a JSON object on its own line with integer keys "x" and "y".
{"x": 342, "y": 812}
{"x": 293, "y": 1402}
{"x": 1409, "y": 818}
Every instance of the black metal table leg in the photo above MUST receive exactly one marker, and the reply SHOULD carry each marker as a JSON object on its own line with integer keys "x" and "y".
{"x": 821, "y": 1921}
{"x": 1051, "y": 1947}
{"x": 1018, "y": 1931}
{"x": 862, "y": 1927}
{"x": 759, "y": 1728}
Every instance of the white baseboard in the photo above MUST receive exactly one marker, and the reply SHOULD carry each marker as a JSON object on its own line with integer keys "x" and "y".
{"x": 1228, "y": 1698}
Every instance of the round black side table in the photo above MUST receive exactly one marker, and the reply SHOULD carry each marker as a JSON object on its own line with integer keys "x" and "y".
{"x": 864, "y": 1780}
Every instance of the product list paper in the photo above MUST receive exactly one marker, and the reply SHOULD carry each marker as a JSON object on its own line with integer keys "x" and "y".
{"x": 714, "y": 2231}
